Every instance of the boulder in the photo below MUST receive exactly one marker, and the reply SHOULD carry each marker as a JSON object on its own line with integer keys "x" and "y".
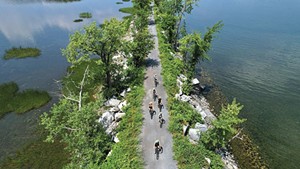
{"x": 109, "y": 154}
{"x": 179, "y": 83}
{"x": 182, "y": 77}
{"x": 185, "y": 98}
{"x": 112, "y": 102}
{"x": 195, "y": 81}
{"x": 123, "y": 94}
{"x": 122, "y": 104}
{"x": 177, "y": 96}
{"x": 116, "y": 140}
{"x": 106, "y": 119}
{"x": 112, "y": 127}
{"x": 114, "y": 109}
{"x": 201, "y": 127}
{"x": 185, "y": 129}
{"x": 198, "y": 108}
{"x": 208, "y": 160}
{"x": 193, "y": 103}
{"x": 119, "y": 116}
{"x": 203, "y": 114}
{"x": 194, "y": 134}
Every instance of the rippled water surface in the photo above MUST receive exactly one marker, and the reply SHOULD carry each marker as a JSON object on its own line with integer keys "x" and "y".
{"x": 44, "y": 24}
{"x": 256, "y": 58}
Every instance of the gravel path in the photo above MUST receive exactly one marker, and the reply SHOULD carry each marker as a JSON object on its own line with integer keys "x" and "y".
{"x": 151, "y": 130}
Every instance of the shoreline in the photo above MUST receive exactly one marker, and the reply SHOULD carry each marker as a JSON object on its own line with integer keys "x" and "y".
{"x": 246, "y": 153}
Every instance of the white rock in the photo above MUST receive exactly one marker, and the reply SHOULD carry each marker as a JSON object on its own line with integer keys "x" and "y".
{"x": 116, "y": 140}
{"x": 199, "y": 108}
{"x": 203, "y": 114}
{"x": 123, "y": 94}
{"x": 106, "y": 119}
{"x": 128, "y": 90}
{"x": 112, "y": 102}
{"x": 119, "y": 116}
{"x": 177, "y": 96}
{"x": 194, "y": 134}
{"x": 111, "y": 128}
{"x": 114, "y": 109}
{"x": 195, "y": 81}
{"x": 208, "y": 160}
{"x": 180, "y": 91}
{"x": 109, "y": 154}
{"x": 122, "y": 104}
{"x": 182, "y": 77}
{"x": 201, "y": 127}
{"x": 185, "y": 98}
{"x": 179, "y": 83}
{"x": 193, "y": 103}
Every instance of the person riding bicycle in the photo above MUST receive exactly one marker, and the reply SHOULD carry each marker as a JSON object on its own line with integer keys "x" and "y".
{"x": 155, "y": 80}
{"x": 150, "y": 106}
{"x": 157, "y": 146}
{"x": 159, "y": 100}
{"x": 154, "y": 94}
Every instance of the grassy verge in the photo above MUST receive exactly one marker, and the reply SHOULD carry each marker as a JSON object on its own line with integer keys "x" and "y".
{"x": 85, "y": 15}
{"x": 13, "y": 101}
{"x": 20, "y": 53}
{"x": 188, "y": 155}
{"x": 126, "y": 154}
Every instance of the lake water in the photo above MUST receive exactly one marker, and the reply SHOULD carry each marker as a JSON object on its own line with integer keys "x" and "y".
{"x": 45, "y": 25}
{"x": 256, "y": 58}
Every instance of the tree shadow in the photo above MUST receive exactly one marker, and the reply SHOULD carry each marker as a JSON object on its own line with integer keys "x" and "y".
{"x": 151, "y": 62}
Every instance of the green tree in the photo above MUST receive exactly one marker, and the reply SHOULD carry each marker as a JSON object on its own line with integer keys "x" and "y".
{"x": 194, "y": 48}
{"x": 140, "y": 46}
{"x": 85, "y": 138}
{"x": 224, "y": 128}
{"x": 171, "y": 13}
{"x": 98, "y": 42}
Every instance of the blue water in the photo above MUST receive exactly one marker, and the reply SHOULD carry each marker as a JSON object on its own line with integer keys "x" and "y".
{"x": 256, "y": 58}
{"x": 47, "y": 26}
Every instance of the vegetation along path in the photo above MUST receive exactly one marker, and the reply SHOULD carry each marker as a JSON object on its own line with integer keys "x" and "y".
{"x": 151, "y": 127}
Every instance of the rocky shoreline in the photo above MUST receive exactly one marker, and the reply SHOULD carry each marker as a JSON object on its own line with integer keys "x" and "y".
{"x": 201, "y": 105}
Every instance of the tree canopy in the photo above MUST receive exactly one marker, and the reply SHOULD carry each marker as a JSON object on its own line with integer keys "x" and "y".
{"x": 225, "y": 127}
{"x": 101, "y": 43}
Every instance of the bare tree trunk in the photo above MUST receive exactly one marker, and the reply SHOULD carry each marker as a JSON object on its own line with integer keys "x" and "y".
{"x": 79, "y": 101}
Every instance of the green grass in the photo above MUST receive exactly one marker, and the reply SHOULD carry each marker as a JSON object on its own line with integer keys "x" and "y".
{"x": 13, "y": 101}
{"x": 85, "y": 15}
{"x": 129, "y": 10}
{"x": 20, "y": 53}
{"x": 126, "y": 154}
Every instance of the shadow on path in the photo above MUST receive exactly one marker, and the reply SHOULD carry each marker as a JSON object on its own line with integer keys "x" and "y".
{"x": 151, "y": 62}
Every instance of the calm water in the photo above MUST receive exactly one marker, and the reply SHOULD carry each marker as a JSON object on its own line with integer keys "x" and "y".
{"x": 47, "y": 26}
{"x": 256, "y": 58}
